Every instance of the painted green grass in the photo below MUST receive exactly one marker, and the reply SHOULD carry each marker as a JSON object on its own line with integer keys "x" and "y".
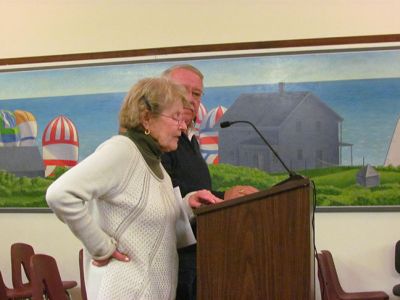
{"x": 23, "y": 191}
{"x": 335, "y": 186}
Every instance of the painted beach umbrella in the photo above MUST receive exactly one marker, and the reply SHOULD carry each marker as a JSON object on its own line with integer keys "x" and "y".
{"x": 26, "y": 122}
{"x": 209, "y": 147}
{"x": 201, "y": 114}
{"x": 60, "y": 144}
{"x": 212, "y": 118}
{"x": 209, "y": 135}
{"x": 9, "y": 131}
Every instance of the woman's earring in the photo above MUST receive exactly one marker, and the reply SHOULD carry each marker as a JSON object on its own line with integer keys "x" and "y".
{"x": 146, "y": 131}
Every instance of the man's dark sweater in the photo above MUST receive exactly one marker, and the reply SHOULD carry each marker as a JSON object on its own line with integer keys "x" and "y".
{"x": 187, "y": 168}
{"x": 189, "y": 171}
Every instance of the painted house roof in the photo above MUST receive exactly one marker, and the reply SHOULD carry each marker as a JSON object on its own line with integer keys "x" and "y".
{"x": 277, "y": 106}
{"x": 367, "y": 171}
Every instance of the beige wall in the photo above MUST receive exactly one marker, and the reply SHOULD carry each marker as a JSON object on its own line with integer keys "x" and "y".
{"x": 362, "y": 243}
{"x": 45, "y": 27}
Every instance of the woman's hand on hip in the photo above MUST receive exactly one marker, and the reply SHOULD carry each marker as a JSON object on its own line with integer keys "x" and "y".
{"x": 116, "y": 255}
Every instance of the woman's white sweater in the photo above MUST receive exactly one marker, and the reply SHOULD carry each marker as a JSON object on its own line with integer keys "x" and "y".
{"x": 136, "y": 213}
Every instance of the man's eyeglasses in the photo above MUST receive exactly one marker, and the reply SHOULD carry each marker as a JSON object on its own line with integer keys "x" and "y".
{"x": 179, "y": 122}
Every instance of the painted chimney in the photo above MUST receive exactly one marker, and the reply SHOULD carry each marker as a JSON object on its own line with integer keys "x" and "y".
{"x": 281, "y": 88}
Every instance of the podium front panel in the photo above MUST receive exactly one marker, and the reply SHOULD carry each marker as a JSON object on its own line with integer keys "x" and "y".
{"x": 260, "y": 248}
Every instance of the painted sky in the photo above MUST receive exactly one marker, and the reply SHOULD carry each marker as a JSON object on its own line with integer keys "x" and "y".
{"x": 231, "y": 71}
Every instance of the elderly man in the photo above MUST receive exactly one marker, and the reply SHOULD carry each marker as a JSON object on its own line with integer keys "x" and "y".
{"x": 189, "y": 171}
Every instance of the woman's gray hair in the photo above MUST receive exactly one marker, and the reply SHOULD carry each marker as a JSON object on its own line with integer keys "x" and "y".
{"x": 150, "y": 94}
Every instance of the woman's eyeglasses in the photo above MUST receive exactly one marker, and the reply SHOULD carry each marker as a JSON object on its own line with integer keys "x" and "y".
{"x": 179, "y": 122}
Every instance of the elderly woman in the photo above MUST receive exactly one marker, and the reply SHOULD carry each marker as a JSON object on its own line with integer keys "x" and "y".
{"x": 131, "y": 238}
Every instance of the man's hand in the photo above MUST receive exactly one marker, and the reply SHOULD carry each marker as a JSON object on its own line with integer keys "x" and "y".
{"x": 239, "y": 191}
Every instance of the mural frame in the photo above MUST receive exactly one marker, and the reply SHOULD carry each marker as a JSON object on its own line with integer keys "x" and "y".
{"x": 210, "y": 51}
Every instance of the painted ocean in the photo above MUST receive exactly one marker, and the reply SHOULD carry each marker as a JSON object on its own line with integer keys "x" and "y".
{"x": 369, "y": 108}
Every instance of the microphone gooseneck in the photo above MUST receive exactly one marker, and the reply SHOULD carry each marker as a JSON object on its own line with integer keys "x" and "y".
{"x": 292, "y": 174}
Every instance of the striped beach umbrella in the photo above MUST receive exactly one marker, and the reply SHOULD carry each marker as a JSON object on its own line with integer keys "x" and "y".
{"x": 9, "y": 131}
{"x": 60, "y": 144}
{"x": 212, "y": 118}
{"x": 27, "y": 125}
{"x": 209, "y": 146}
{"x": 201, "y": 114}
{"x": 209, "y": 135}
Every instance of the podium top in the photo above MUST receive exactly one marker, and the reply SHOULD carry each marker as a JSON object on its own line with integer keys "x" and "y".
{"x": 274, "y": 190}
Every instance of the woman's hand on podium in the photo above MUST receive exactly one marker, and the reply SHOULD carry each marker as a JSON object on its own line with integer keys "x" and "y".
{"x": 203, "y": 197}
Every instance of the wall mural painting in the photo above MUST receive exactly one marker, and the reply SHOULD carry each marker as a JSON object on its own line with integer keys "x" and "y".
{"x": 333, "y": 116}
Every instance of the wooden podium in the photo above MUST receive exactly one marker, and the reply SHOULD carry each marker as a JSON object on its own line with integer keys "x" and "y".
{"x": 259, "y": 246}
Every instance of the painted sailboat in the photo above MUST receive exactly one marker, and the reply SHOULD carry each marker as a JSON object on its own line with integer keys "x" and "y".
{"x": 393, "y": 155}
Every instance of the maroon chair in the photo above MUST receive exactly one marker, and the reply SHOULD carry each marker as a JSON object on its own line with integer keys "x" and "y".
{"x": 82, "y": 276}
{"x": 46, "y": 279}
{"x": 330, "y": 284}
{"x": 9, "y": 293}
{"x": 3, "y": 289}
{"x": 20, "y": 255}
{"x": 20, "y": 264}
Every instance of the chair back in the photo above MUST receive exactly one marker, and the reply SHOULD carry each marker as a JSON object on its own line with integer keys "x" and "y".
{"x": 3, "y": 289}
{"x": 327, "y": 276}
{"x": 46, "y": 278}
{"x": 323, "y": 277}
{"x": 82, "y": 276}
{"x": 20, "y": 258}
{"x": 332, "y": 273}
{"x": 330, "y": 285}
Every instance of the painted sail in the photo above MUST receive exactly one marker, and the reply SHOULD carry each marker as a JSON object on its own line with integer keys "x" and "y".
{"x": 60, "y": 144}
{"x": 9, "y": 131}
{"x": 393, "y": 155}
{"x": 27, "y": 125}
{"x": 209, "y": 135}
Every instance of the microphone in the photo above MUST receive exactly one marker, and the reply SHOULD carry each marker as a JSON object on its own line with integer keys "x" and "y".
{"x": 292, "y": 174}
